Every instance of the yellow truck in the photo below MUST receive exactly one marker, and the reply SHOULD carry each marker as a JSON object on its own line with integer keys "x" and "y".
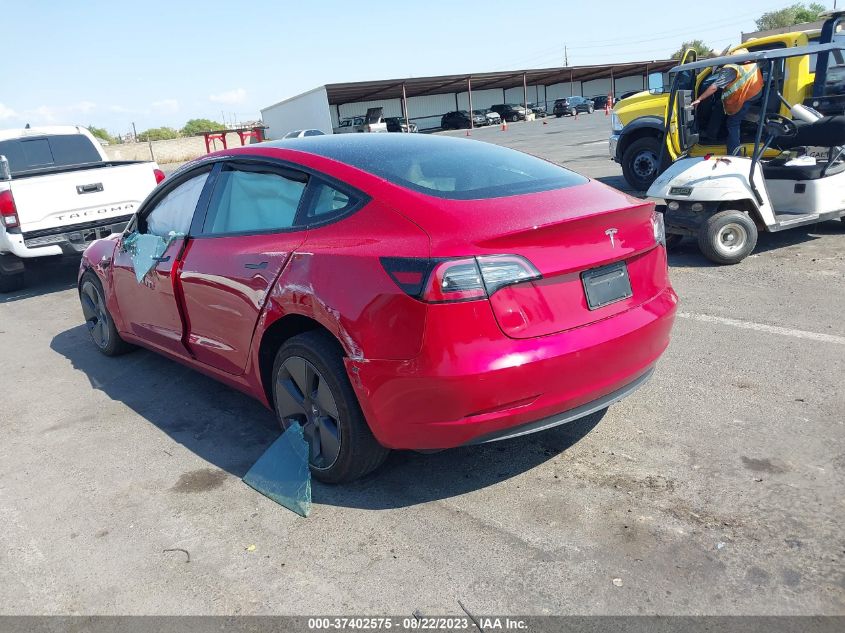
{"x": 638, "y": 122}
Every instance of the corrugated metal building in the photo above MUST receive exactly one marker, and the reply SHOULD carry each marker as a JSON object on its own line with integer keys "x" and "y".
{"x": 424, "y": 100}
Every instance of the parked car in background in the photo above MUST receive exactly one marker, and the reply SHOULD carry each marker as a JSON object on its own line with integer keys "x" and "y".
{"x": 538, "y": 109}
{"x": 398, "y": 124}
{"x": 59, "y": 192}
{"x": 600, "y": 102}
{"x": 509, "y": 111}
{"x": 493, "y": 118}
{"x": 460, "y": 119}
{"x": 303, "y": 133}
{"x": 426, "y": 298}
{"x": 373, "y": 121}
{"x": 568, "y": 106}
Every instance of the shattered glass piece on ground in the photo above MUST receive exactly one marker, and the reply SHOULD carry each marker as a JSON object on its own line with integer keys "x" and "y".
{"x": 282, "y": 472}
{"x": 144, "y": 248}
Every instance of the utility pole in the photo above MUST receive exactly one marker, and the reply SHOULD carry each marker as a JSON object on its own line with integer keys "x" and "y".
{"x": 134, "y": 133}
{"x": 565, "y": 56}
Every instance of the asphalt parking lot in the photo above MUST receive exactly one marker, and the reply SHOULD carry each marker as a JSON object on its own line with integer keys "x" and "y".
{"x": 715, "y": 489}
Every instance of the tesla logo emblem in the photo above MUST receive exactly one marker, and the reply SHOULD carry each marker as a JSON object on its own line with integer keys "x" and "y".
{"x": 611, "y": 233}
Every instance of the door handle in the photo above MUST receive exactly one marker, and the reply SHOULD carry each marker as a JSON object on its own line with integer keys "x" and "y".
{"x": 256, "y": 266}
{"x": 161, "y": 260}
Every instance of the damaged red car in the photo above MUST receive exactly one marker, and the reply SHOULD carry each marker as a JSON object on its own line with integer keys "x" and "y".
{"x": 391, "y": 291}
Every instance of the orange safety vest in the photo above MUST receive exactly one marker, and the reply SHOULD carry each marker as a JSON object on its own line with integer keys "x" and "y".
{"x": 747, "y": 85}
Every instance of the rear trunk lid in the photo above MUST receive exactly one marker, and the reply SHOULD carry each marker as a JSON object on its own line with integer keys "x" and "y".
{"x": 67, "y": 198}
{"x": 564, "y": 233}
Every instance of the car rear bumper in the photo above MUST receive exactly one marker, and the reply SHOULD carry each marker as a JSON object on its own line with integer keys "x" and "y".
{"x": 70, "y": 240}
{"x": 481, "y": 386}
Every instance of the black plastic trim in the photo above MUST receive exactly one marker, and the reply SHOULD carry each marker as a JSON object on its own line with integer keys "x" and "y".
{"x": 567, "y": 416}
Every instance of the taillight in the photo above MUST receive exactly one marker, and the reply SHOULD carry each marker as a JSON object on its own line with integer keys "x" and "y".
{"x": 8, "y": 210}
{"x": 460, "y": 279}
{"x": 159, "y": 175}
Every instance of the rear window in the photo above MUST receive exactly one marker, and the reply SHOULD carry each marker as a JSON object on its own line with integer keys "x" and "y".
{"x": 458, "y": 169}
{"x": 60, "y": 150}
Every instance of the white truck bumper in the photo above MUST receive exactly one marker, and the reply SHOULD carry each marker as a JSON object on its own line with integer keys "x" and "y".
{"x": 69, "y": 241}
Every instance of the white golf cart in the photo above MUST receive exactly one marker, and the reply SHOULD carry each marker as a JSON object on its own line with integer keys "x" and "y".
{"x": 724, "y": 201}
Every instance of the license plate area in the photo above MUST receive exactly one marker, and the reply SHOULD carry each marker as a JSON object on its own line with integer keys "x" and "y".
{"x": 606, "y": 285}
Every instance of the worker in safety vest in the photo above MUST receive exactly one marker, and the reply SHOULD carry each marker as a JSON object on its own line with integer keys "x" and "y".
{"x": 740, "y": 84}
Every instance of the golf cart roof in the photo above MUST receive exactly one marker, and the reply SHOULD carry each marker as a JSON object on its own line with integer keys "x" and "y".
{"x": 778, "y": 53}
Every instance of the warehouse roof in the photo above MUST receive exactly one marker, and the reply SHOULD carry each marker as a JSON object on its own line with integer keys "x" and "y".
{"x": 420, "y": 86}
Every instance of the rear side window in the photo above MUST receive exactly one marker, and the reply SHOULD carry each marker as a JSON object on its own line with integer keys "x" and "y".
{"x": 58, "y": 150}
{"x": 328, "y": 202}
{"x": 247, "y": 201}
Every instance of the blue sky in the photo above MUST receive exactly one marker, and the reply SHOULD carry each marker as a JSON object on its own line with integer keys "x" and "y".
{"x": 155, "y": 63}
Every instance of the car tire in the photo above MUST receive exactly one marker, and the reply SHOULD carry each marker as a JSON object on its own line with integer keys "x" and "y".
{"x": 11, "y": 274}
{"x": 640, "y": 162}
{"x": 311, "y": 387}
{"x": 98, "y": 319}
{"x": 558, "y": 115}
{"x": 590, "y": 110}
{"x": 514, "y": 118}
{"x": 727, "y": 237}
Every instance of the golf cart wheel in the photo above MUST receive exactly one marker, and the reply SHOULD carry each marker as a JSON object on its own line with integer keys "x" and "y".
{"x": 98, "y": 319}
{"x": 727, "y": 237}
{"x": 640, "y": 162}
{"x": 673, "y": 240}
{"x": 311, "y": 388}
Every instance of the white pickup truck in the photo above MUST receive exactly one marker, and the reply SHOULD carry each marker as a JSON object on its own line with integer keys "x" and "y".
{"x": 373, "y": 121}
{"x": 59, "y": 192}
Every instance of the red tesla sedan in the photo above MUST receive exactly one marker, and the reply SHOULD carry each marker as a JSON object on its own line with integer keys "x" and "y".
{"x": 391, "y": 290}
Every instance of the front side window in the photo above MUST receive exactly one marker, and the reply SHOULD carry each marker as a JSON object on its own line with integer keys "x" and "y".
{"x": 174, "y": 212}
{"x": 253, "y": 201}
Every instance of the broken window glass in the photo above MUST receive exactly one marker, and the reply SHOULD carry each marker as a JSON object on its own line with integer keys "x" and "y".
{"x": 145, "y": 249}
{"x": 282, "y": 472}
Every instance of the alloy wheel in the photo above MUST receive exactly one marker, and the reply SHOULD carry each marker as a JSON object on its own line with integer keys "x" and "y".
{"x": 94, "y": 311}
{"x": 303, "y": 396}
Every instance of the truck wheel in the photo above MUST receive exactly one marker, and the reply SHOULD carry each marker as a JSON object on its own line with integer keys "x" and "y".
{"x": 11, "y": 273}
{"x": 727, "y": 237}
{"x": 640, "y": 162}
{"x": 311, "y": 388}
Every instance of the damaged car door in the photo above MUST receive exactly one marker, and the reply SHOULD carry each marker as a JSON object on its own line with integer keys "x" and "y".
{"x": 143, "y": 282}
{"x": 229, "y": 267}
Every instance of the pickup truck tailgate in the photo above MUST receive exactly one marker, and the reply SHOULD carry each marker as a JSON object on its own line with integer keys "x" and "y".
{"x": 97, "y": 194}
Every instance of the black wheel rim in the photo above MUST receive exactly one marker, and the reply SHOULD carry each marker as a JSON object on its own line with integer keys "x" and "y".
{"x": 94, "y": 311}
{"x": 304, "y": 396}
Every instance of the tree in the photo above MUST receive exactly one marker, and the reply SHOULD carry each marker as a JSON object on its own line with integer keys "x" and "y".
{"x": 796, "y": 14}
{"x": 198, "y": 126}
{"x": 158, "y": 134}
{"x": 101, "y": 133}
{"x": 698, "y": 45}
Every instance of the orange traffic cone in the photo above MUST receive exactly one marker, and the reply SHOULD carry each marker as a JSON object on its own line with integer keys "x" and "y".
{"x": 504, "y": 125}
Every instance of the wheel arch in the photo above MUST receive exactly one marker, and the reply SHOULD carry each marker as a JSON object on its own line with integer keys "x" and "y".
{"x": 275, "y": 335}
{"x": 642, "y": 127}
{"x": 748, "y": 206}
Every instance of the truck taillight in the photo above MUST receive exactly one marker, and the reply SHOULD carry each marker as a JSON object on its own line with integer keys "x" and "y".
{"x": 8, "y": 210}
{"x": 460, "y": 279}
{"x": 159, "y": 175}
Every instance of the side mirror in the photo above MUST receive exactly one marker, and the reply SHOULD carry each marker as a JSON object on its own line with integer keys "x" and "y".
{"x": 5, "y": 171}
{"x": 655, "y": 82}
